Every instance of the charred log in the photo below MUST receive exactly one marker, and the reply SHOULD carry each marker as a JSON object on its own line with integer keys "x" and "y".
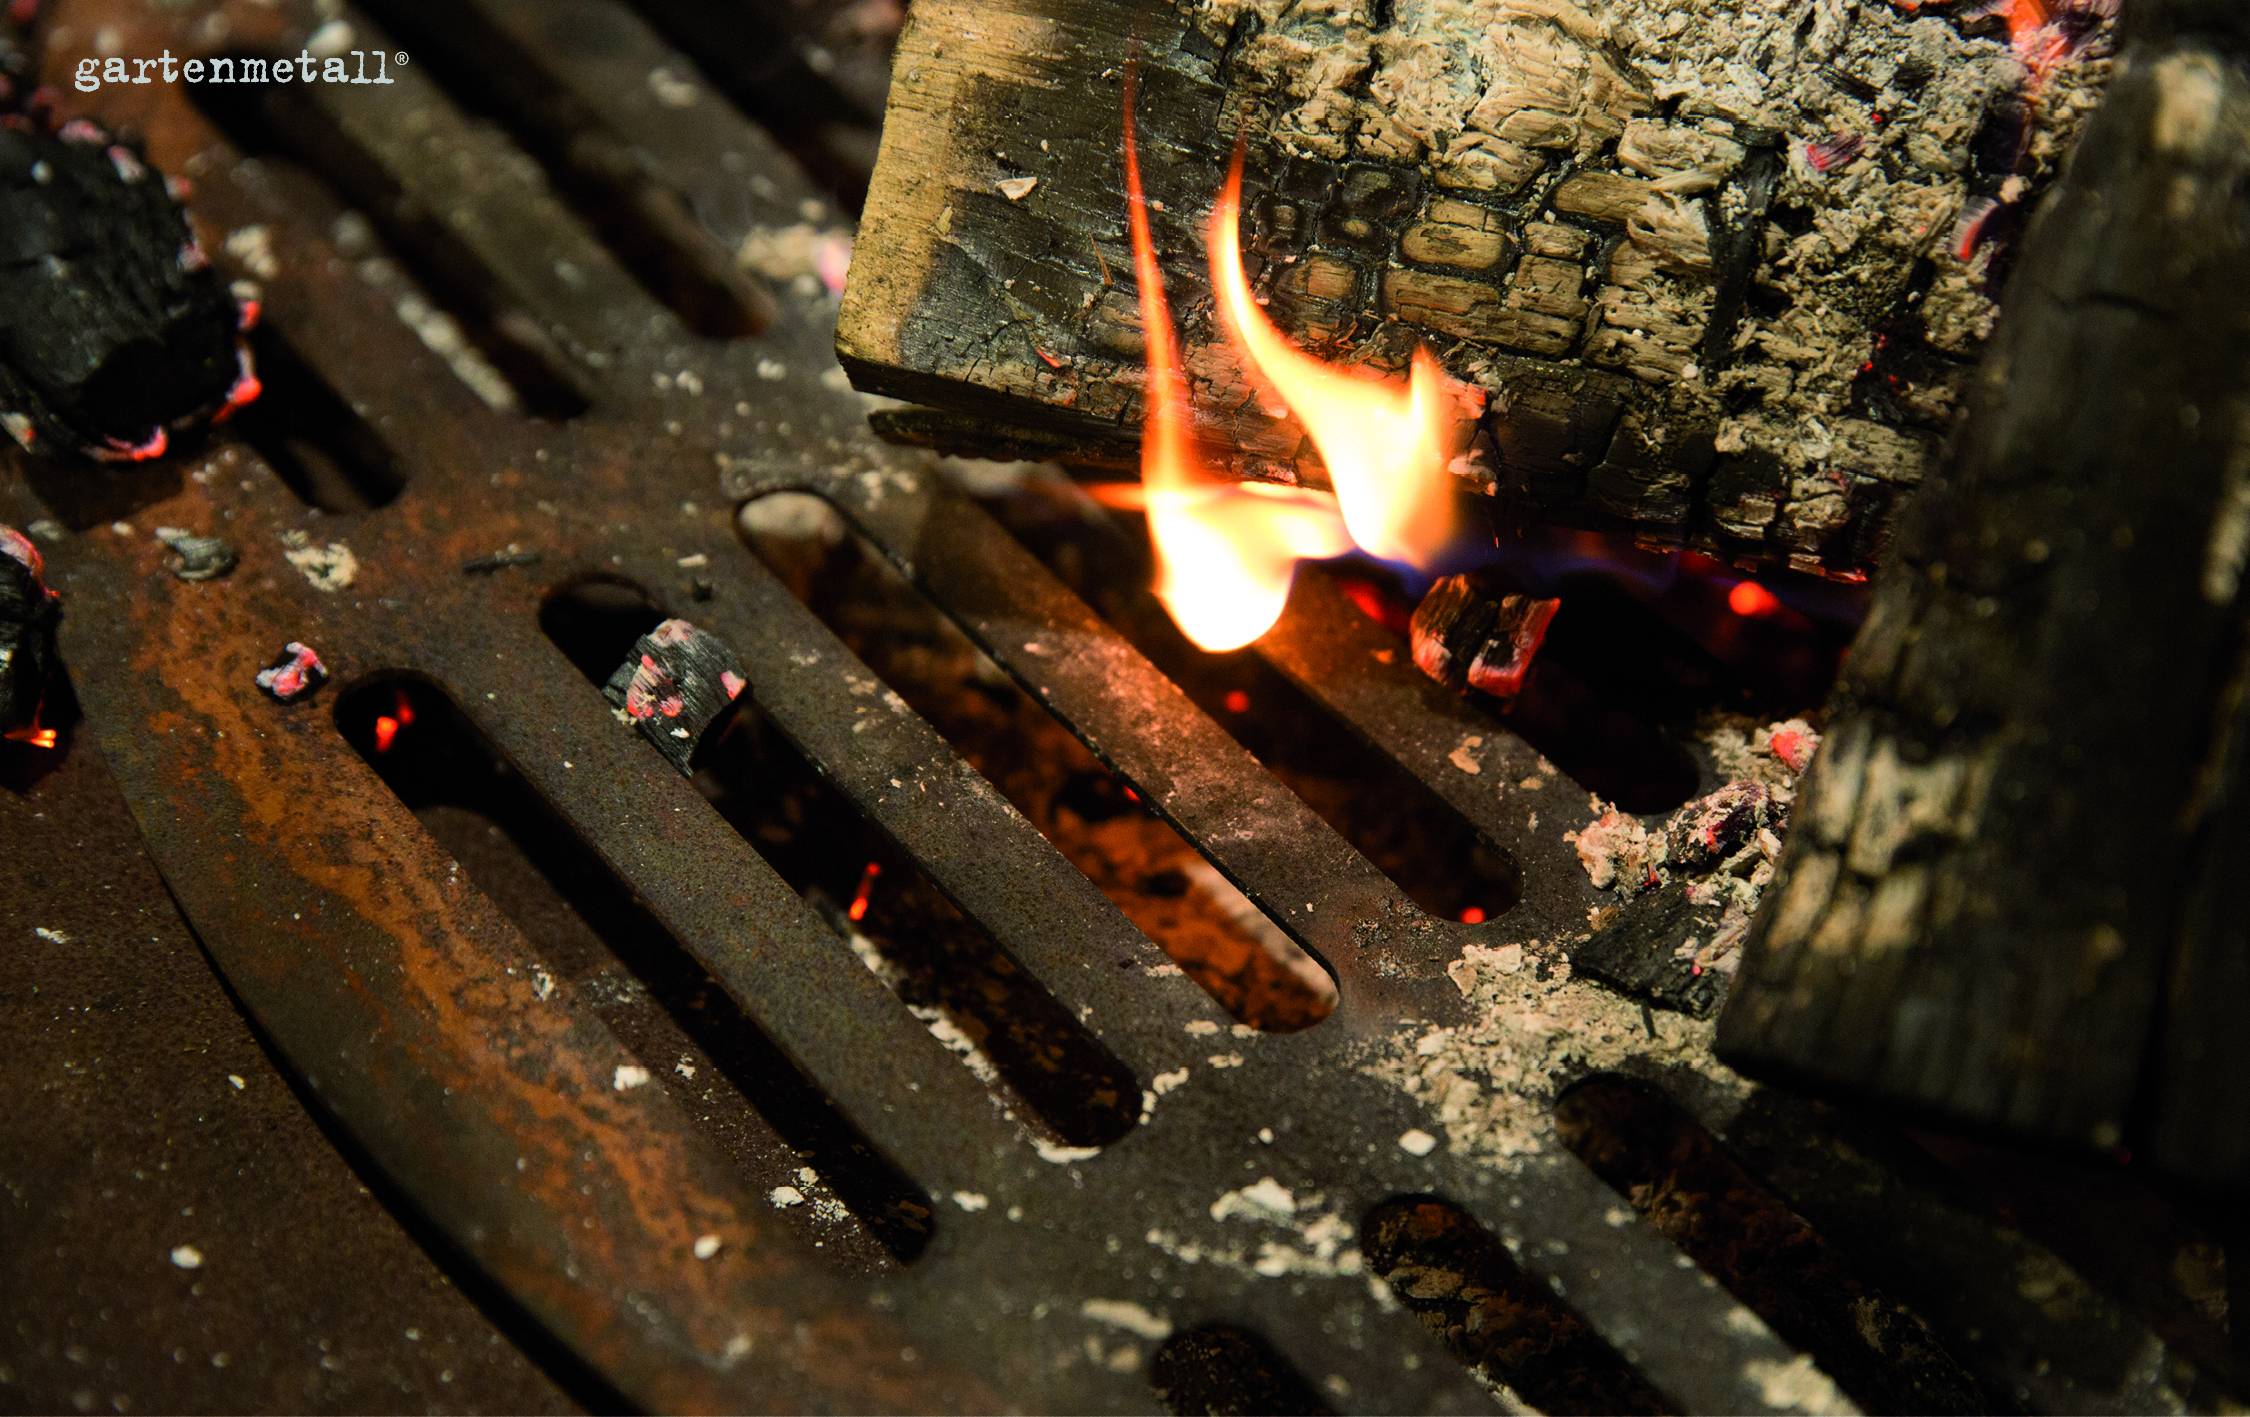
{"x": 2031, "y": 797}
{"x": 1668, "y": 261}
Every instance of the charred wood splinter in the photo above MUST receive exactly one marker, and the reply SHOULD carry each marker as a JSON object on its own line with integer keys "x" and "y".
{"x": 1469, "y": 640}
{"x": 677, "y": 683}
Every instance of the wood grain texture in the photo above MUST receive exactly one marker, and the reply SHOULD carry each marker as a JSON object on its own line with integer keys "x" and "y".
{"x": 2028, "y": 813}
{"x": 1678, "y": 320}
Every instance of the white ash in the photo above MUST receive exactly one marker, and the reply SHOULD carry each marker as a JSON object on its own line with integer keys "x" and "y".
{"x": 329, "y": 568}
{"x": 1124, "y": 1314}
{"x": 1267, "y": 1230}
{"x": 1490, "y": 1084}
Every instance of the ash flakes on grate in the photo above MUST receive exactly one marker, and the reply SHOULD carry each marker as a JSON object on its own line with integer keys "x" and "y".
{"x": 678, "y": 681}
{"x": 1490, "y": 1083}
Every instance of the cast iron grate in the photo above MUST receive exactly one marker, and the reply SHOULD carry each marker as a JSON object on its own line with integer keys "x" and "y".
{"x": 1219, "y": 1234}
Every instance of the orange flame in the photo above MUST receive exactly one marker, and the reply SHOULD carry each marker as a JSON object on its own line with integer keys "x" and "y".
{"x": 1226, "y": 550}
{"x": 1386, "y": 446}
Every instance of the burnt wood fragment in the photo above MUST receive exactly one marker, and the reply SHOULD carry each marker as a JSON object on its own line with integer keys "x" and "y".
{"x": 1647, "y": 951}
{"x": 2026, "y": 817}
{"x": 29, "y": 612}
{"x": 678, "y": 681}
{"x": 1474, "y": 641}
{"x": 117, "y": 332}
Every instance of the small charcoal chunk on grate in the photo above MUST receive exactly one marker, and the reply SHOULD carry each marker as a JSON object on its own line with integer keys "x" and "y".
{"x": 1467, "y": 639}
{"x": 29, "y": 611}
{"x": 675, "y": 686}
{"x": 1704, "y": 833}
{"x": 1640, "y": 951}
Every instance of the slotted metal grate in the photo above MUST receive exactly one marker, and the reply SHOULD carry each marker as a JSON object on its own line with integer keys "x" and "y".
{"x": 424, "y": 1020}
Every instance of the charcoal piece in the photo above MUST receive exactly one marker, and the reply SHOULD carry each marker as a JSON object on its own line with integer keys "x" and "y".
{"x": 296, "y": 673}
{"x": 1645, "y": 952}
{"x": 506, "y": 558}
{"x": 1704, "y": 833}
{"x": 196, "y": 558}
{"x": 1467, "y": 639}
{"x": 118, "y": 333}
{"x": 29, "y": 612}
{"x": 676, "y": 684}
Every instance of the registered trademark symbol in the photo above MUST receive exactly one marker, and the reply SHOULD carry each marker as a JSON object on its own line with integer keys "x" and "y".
{"x": 401, "y": 56}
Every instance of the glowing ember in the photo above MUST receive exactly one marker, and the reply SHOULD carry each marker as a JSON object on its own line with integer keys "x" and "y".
{"x": 36, "y": 737}
{"x": 387, "y": 726}
{"x": 1386, "y": 445}
{"x": 1238, "y": 702}
{"x": 1474, "y": 915}
{"x": 867, "y": 877}
{"x": 1225, "y": 551}
{"x": 1752, "y": 600}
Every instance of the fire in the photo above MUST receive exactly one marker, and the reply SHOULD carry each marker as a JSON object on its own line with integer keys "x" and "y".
{"x": 1386, "y": 446}
{"x": 1227, "y": 550}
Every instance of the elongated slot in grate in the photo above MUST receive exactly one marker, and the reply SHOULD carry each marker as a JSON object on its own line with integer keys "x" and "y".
{"x": 1096, "y": 819}
{"x": 314, "y": 441}
{"x": 1508, "y": 1326}
{"x": 942, "y": 965}
{"x": 437, "y": 285}
{"x": 1805, "y": 1287}
{"x": 1440, "y": 861}
{"x": 598, "y": 942}
{"x": 645, "y": 224}
{"x": 1220, "y": 1368}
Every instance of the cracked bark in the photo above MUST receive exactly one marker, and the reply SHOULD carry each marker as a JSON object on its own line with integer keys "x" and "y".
{"x": 2009, "y": 896}
{"x": 1598, "y": 284}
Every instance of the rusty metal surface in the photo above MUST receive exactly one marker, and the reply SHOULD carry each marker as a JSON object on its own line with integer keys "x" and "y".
{"x": 418, "y": 1013}
{"x": 143, "y": 1115}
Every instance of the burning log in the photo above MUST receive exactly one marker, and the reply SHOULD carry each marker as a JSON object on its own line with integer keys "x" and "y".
{"x": 1467, "y": 640}
{"x": 2011, "y": 896}
{"x": 678, "y": 681}
{"x": 1721, "y": 281}
{"x": 119, "y": 334}
{"x": 29, "y": 612}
